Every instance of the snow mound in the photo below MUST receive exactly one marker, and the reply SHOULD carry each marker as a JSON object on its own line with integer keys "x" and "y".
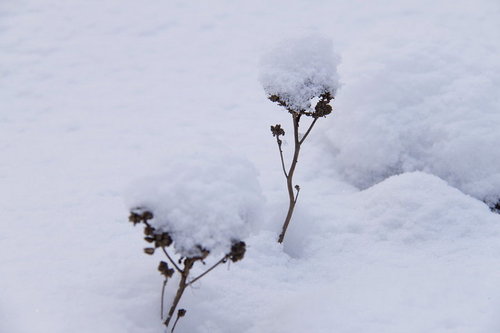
{"x": 396, "y": 247}
{"x": 430, "y": 105}
{"x": 205, "y": 200}
{"x": 418, "y": 207}
{"x": 298, "y": 70}
{"x": 411, "y": 211}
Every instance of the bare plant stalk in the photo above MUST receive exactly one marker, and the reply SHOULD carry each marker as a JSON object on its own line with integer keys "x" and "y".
{"x": 175, "y": 323}
{"x": 171, "y": 260}
{"x": 162, "y": 298}
{"x": 322, "y": 109}
{"x": 208, "y": 270}
{"x": 180, "y": 313}
{"x": 292, "y": 196}
{"x": 282, "y": 159}
{"x": 188, "y": 264}
{"x": 237, "y": 252}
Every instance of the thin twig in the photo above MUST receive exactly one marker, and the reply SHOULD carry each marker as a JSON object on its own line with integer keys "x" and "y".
{"x": 188, "y": 264}
{"x": 180, "y": 313}
{"x": 281, "y": 156}
{"x": 308, "y": 131}
{"x": 163, "y": 297}
{"x": 289, "y": 179}
{"x": 208, "y": 270}
{"x": 297, "y": 195}
{"x": 171, "y": 260}
{"x": 175, "y": 323}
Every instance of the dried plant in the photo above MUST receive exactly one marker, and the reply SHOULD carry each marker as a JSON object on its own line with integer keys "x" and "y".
{"x": 322, "y": 109}
{"x": 494, "y": 205}
{"x": 183, "y": 265}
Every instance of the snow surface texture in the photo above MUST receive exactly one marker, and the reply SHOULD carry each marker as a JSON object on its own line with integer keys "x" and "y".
{"x": 431, "y": 104}
{"x": 298, "y": 70}
{"x": 203, "y": 200}
{"x": 425, "y": 237}
{"x": 96, "y": 94}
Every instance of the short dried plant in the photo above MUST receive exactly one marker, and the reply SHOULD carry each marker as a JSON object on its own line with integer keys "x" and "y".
{"x": 182, "y": 265}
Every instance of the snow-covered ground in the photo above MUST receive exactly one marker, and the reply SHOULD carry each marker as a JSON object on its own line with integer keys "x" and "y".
{"x": 390, "y": 234}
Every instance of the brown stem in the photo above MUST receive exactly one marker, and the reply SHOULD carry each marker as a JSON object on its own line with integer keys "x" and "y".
{"x": 162, "y": 297}
{"x": 281, "y": 156}
{"x": 188, "y": 264}
{"x": 308, "y": 131}
{"x": 297, "y": 188}
{"x": 171, "y": 260}
{"x": 289, "y": 178}
{"x": 175, "y": 323}
{"x": 208, "y": 270}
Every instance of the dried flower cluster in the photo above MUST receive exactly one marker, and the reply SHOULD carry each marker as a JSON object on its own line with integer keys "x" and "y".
{"x": 322, "y": 108}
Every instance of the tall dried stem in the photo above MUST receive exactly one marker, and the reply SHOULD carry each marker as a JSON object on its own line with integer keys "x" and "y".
{"x": 322, "y": 109}
{"x": 293, "y": 195}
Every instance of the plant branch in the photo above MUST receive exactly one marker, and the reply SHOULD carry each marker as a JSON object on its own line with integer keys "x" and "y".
{"x": 289, "y": 178}
{"x": 308, "y": 130}
{"x": 162, "y": 297}
{"x": 188, "y": 264}
{"x": 171, "y": 260}
{"x": 296, "y": 195}
{"x": 281, "y": 156}
{"x": 208, "y": 270}
{"x": 175, "y": 323}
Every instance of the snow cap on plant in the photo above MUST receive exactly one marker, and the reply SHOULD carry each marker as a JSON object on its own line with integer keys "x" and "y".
{"x": 205, "y": 202}
{"x": 298, "y": 70}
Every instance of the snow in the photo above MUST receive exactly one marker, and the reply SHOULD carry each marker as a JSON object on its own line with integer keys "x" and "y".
{"x": 408, "y": 254}
{"x": 300, "y": 69}
{"x": 207, "y": 200}
{"x": 429, "y": 105}
{"x": 409, "y": 210}
{"x": 390, "y": 232}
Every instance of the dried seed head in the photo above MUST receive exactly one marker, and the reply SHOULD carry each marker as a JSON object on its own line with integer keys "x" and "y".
{"x": 165, "y": 270}
{"x": 149, "y": 250}
{"x": 147, "y": 215}
{"x": 326, "y": 96}
{"x": 163, "y": 240}
{"x": 323, "y": 107}
{"x": 277, "y": 130}
{"x": 149, "y": 230}
{"x": 274, "y": 98}
{"x": 277, "y": 99}
{"x": 181, "y": 312}
{"x": 238, "y": 250}
{"x": 140, "y": 214}
{"x": 162, "y": 266}
{"x": 134, "y": 218}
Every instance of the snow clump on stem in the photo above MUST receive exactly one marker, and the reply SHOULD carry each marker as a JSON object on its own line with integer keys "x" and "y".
{"x": 298, "y": 70}
{"x": 204, "y": 201}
